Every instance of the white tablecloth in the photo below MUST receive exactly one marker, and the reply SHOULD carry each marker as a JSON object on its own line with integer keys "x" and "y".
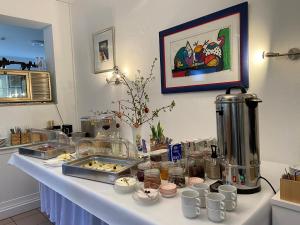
{"x": 62, "y": 211}
{"x": 103, "y": 202}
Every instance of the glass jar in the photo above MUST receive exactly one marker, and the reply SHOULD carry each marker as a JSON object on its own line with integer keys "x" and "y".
{"x": 141, "y": 168}
{"x": 196, "y": 165}
{"x": 164, "y": 170}
{"x": 176, "y": 176}
{"x": 152, "y": 178}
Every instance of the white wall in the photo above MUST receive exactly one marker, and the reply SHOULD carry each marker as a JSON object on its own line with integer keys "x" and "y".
{"x": 57, "y": 14}
{"x": 274, "y": 25}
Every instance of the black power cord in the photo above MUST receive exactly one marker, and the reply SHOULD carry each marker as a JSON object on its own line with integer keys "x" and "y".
{"x": 260, "y": 177}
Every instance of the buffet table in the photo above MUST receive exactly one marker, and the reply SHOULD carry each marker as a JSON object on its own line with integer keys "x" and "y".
{"x": 93, "y": 201}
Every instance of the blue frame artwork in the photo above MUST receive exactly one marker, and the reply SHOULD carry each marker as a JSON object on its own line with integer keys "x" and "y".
{"x": 208, "y": 53}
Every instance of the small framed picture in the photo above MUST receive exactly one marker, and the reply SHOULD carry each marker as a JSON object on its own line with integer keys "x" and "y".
{"x": 104, "y": 50}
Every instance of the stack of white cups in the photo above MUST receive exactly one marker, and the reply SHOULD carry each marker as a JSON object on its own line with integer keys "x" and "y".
{"x": 190, "y": 203}
{"x": 202, "y": 189}
{"x": 230, "y": 193}
{"x": 215, "y": 207}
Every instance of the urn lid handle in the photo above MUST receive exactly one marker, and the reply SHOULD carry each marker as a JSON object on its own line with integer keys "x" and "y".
{"x": 243, "y": 90}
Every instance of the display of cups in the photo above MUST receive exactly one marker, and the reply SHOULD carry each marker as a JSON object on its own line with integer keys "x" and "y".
{"x": 216, "y": 215}
{"x": 215, "y": 201}
{"x": 190, "y": 198}
{"x": 190, "y": 203}
{"x": 203, "y": 190}
{"x": 230, "y": 205}
{"x": 230, "y": 193}
{"x": 190, "y": 211}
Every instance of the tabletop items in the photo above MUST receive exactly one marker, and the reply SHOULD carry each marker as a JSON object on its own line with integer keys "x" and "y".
{"x": 290, "y": 184}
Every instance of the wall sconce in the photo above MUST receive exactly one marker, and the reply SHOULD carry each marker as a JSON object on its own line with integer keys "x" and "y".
{"x": 292, "y": 54}
{"x": 115, "y": 78}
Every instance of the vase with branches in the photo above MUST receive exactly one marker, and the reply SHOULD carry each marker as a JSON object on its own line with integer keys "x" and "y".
{"x": 134, "y": 110}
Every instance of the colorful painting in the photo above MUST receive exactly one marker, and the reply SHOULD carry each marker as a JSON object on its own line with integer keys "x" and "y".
{"x": 203, "y": 56}
{"x": 208, "y": 53}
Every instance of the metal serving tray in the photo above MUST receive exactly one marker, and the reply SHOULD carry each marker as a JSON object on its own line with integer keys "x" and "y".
{"x": 74, "y": 168}
{"x": 36, "y": 152}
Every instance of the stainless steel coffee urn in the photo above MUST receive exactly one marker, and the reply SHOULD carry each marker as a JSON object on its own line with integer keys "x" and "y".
{"x": 238, "y": 139}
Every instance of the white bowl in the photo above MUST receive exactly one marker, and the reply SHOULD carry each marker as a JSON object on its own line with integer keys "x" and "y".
{"x": 146, "y": 199}
{"x": 125, "y": 185}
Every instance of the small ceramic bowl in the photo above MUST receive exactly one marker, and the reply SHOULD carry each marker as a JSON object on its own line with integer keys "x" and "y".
{"x": 146, "y": 196}
{"x": 168, "y": 190}
{"x": 195, "y": 180}
{"x": 125, "y": 184}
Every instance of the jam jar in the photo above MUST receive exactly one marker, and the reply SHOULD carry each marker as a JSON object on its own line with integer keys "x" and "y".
{"x": 196, "y": 164}
{"x": 164, "y": 170}
{"x": 141, "y": 168}
{"x": 176, "y": 176}
{"x": 152, "y": 178}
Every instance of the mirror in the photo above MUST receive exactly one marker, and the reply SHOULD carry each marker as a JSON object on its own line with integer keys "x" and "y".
{"x": 13, "y": 86}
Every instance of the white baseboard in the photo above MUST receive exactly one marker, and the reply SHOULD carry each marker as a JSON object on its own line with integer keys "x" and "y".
{"x": 19, "y": 205}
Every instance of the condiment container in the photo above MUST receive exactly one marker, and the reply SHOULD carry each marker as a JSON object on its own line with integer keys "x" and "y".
{"x": 212, "y": 165}
{"x": 168, "y": 190}
{"x": 125, "y": 184}
{"x": 176, "y": 176}
{"x": 151, "y": 178}
{"x": 141, "y": 168}
{"x": 164, "y": 170}
{"x": 196, "y": 165}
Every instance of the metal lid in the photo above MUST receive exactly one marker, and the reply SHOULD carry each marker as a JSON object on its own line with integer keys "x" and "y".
{"x": 235, "y": 97}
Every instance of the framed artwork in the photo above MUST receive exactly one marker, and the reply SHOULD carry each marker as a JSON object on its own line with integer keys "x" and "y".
{"x": 104, "y": 50}
{"x": 208, "y": 53}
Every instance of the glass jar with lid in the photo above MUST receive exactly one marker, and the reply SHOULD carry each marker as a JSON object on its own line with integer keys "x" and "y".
{"x": 141, "y": 168}
{"x": 152, "y": 178}
{"x": 176, "y": 176}
{"x": 196, "y": 164}
{"x": 164, "y": 170}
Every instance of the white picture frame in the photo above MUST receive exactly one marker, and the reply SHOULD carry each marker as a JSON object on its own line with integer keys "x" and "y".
{"x": 104, "y": 50}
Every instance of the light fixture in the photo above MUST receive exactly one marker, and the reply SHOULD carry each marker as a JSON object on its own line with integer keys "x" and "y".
{"x": 115, "y": 78}
{"x": 293, "y": 54}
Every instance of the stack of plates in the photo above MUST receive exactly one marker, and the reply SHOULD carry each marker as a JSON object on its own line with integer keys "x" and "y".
{"x": 3, "y": 142}
{"x": 168, "y": 190}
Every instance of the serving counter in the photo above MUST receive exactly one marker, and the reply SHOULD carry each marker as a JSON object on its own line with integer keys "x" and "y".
{"x": 82, "y": 200}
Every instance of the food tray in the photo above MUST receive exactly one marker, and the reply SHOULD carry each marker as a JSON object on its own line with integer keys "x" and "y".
{"x": 54, "y": 149}
{"x": 75, "y": 169}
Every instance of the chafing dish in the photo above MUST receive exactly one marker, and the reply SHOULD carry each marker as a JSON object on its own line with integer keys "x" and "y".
{"x": 77, "y": 168}
{"x": 106, "y": 146}
{"x": 46, "y": 150}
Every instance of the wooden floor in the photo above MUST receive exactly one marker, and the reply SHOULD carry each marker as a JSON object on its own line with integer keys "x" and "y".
{"x": 33, "y": 217}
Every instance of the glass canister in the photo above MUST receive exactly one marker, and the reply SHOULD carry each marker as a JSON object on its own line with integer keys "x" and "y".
{"x": 176, "y": 176}
{"x": 164, "y": 170}
{"x": 141, "y": 169}
{"x": 196, "y": 165}
{"x": 152, "y": 178}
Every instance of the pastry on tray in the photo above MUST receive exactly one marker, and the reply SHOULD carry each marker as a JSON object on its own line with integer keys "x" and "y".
{"x": 102, "y": 166}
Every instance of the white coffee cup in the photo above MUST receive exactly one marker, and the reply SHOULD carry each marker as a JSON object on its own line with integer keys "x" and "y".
{"x": 202, "y": 202}
{"x": 216, "y": 215}
{"x": 229, "y": 191}
{"x": 215, "y": 201}
{"x": 190, "y": 211}
{"x": 230, "y": 205}
{"x": 190, "y": 198}
{"x": 201, "y": 188}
